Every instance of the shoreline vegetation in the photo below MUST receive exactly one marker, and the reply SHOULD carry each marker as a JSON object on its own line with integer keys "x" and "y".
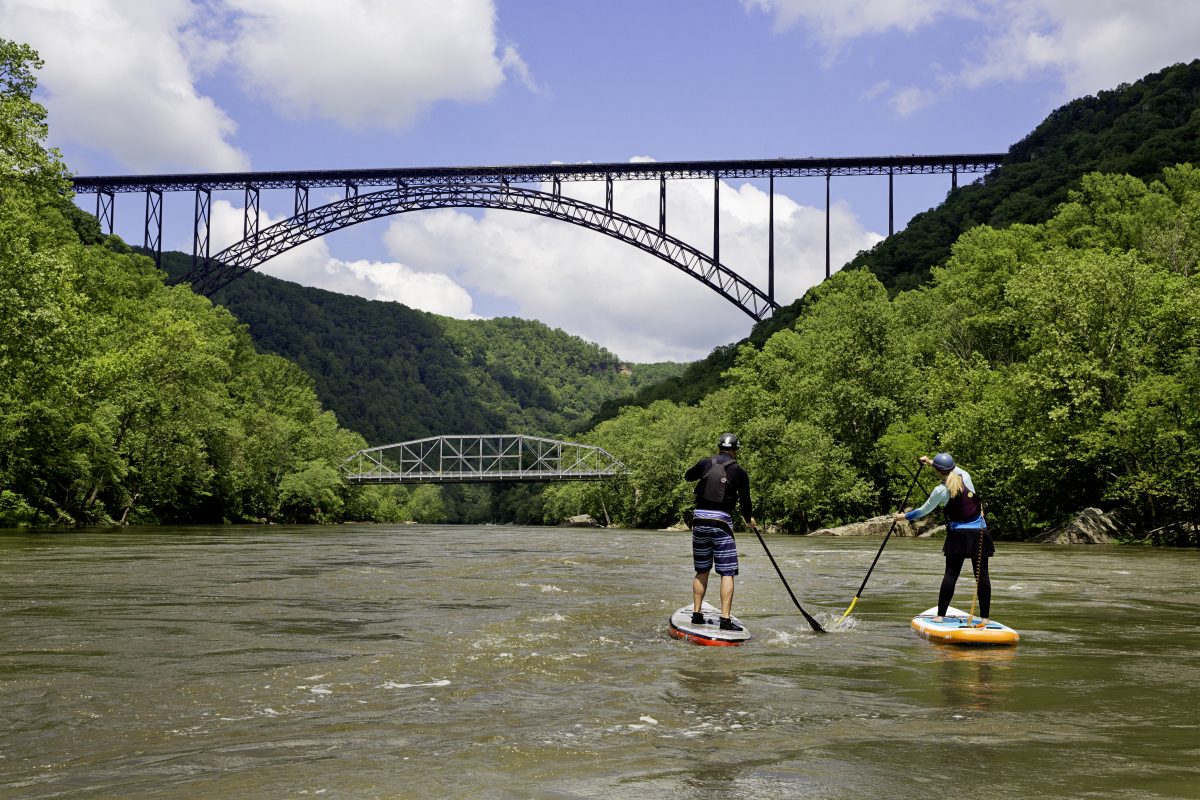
{"x": 1058, "y": 360}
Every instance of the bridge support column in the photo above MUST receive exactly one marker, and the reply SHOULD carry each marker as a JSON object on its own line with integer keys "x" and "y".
{"x": 828, "y": 178}
{"x": 301, "y": 212}
{"x": 200, "y": 227}
{"x": 104, "y": 211}
{"x": 891, "y": 204}
{"x": 250, "y": 208}
{"x": 153, "y": 228}
{"x": 954, "y": 177}
{"x": 771, "y": 240}
{"x": 608, "y": 193}
{"x": 716, "y": 219}
{"x": 662, "y": 203}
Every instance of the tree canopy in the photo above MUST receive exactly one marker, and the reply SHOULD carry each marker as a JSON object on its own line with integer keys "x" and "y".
{"x": 1058, "y": 362}
{"x": 1136, "y": 129}
{"x": 123, "y": 399}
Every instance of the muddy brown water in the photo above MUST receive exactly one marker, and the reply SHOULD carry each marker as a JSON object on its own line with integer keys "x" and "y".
{"x": 508, "y": 662}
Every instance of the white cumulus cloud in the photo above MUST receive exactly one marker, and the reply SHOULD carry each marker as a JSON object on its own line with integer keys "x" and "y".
{"x": 369, "y": 63}
{"x": 839, "y": 22}
{"x": 1089, "y": 46}
{"x": 118, "y": 79}
{"x": 1093, "y": 46}
{"x": 123, "y": 77}
{"x": 311, "y": 264}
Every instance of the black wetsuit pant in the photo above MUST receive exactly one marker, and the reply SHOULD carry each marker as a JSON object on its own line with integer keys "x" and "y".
{"x": 953, "y": 568}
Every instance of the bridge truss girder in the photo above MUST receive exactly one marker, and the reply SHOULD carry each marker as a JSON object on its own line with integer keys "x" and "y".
{"x": 495, "y": 458}
{"x": 249, "y": 253}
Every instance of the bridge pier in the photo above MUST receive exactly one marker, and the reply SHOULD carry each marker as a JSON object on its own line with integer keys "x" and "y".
{"x": 828, "y": 179}
{"x": 154, "y": 222}
{"x": 771, "y": 239}
{"x": 201, "y": 226}
{"x": 104, "y": 210}
{"x": 716, "y": 251}
{"x": 250, "y": 209}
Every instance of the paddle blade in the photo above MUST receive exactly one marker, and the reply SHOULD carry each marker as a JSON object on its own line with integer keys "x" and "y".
{"x": 853, "y": 603}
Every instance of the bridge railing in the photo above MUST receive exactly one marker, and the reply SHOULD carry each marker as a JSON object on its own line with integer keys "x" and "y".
{"x": 498, "y": 458}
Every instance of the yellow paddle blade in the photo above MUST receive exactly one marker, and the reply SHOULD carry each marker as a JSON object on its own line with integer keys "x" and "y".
{"x": 853, "y": 603}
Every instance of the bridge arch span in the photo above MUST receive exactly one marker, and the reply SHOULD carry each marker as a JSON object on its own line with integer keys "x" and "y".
{"x": 255, "y": 250}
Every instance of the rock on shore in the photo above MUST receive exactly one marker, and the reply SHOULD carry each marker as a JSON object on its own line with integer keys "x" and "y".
{"x": 1090, "y": 526}
{"x": 581, "y": 521}
{"x": 879, "y": 526}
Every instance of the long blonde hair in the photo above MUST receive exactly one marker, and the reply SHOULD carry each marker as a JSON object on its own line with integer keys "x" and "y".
{"x": 954, "y": 483}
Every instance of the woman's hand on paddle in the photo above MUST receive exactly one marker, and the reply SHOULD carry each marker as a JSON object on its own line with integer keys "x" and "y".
{"x": 753, "y": 525}
{"x": 900, "y": 515}
{"x": 926, "y": 460}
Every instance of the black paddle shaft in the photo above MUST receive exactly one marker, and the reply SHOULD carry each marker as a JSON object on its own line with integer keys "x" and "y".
{"x": 816, "y": 626}
{"x": 903, "y": 503}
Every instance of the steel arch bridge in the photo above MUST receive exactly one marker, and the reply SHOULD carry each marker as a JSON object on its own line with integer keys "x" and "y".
{"x": 254, "y": 251}
{"x": 495, "y": 458}
{"x": 493, "y": 187}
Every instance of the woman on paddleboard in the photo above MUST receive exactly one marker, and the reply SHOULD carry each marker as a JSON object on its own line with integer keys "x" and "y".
{"x": 966, "y": 532}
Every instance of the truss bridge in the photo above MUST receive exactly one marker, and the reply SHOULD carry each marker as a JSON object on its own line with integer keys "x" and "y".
{"x": 499, "y": 458}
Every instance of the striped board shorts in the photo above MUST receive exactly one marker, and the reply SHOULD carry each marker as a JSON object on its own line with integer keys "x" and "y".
{"x": 712, "y": 540}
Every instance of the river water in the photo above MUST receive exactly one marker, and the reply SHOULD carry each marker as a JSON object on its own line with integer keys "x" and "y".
{"x": 506, "y": 662}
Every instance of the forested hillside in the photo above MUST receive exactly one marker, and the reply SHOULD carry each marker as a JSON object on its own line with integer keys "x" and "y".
{"x": 1058, "y": 362}
{"x": 393, "y": 373}
{"x": 123, "y": 399}
{"x": 1137, "y": 129}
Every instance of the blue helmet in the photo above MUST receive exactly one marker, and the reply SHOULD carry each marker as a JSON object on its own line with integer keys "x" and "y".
{"x": 943, "y": 462}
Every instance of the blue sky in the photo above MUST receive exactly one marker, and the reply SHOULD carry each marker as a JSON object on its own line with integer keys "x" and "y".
{"x": 150, "y": 86}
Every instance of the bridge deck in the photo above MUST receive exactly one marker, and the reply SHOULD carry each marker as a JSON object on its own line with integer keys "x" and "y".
{"x": 547, "y": 173}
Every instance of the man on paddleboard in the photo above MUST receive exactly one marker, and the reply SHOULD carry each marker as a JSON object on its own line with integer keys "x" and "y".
{"x": 721, "y": 485}
{"x": 966, "y": 532}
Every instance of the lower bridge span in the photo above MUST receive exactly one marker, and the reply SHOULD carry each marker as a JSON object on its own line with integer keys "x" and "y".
{"x": 490, "y": 458}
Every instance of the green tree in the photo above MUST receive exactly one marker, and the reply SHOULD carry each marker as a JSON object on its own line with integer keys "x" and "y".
{"x": 425, "y": 505}
{"x": 27, "y": 166}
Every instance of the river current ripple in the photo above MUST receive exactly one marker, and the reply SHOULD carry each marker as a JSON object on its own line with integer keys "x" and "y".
{"x": 508, "y": 662}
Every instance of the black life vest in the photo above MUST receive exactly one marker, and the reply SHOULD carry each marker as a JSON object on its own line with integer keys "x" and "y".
{"x": 965, "y": 507}
{"x": 715, "y": 485}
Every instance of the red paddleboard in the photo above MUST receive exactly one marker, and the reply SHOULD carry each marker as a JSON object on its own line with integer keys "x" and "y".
{"x": 709, "y": 633}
